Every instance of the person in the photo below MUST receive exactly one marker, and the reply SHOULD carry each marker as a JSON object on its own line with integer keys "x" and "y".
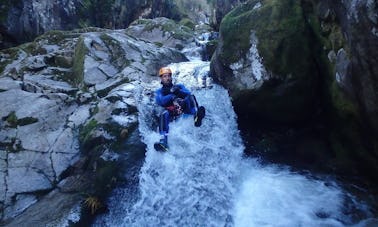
{"x": 176, "y": 100}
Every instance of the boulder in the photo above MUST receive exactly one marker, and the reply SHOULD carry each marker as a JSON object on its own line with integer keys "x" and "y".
{"x": 265, "y": 61}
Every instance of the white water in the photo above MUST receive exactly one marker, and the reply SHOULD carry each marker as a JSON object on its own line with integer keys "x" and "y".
{"x": 204, "y": 180}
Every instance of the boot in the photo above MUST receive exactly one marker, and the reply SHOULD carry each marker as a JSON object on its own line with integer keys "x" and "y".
{"x": 200, "y": 114}
{"x": 162, "y": 145}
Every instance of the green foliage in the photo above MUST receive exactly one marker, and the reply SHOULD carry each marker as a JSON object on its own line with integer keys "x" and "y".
{"x": 81, "y": 50}
{"x": 85, "y": 131}
{"x": 52, "y": 37}
{"x": 4, "y": 8}
{"x": 13, "y": 121}
{"x": 188, "y": 23}
{"x": 117, "y": 55}
{"x": 7, "y": 56}
{"x": 97, "y": 13}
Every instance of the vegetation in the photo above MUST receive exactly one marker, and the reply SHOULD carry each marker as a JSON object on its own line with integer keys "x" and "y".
{"x": 77, "y": 76}
{"x": 93, "y": 203}
{"x": 13, "y": 121}
{"x": 96, "y": 13}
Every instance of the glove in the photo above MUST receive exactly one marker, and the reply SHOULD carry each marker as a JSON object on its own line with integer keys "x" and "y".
{"x": 179, "y": 105}
{"x": 175, "y": 90}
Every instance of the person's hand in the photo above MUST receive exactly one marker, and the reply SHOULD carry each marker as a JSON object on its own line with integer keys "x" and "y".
{"x": 175, "y": 90}
{"x": 179, "y": 105}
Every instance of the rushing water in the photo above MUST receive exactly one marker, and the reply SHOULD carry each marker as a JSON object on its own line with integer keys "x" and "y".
{"x": 204, "y": 180}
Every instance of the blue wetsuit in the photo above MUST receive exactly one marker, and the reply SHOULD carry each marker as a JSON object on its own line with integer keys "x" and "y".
{"x": 166, "y": 96}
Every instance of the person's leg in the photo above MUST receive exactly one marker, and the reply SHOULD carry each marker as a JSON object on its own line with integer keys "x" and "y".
{"x": 193, "y": 108}
{"x": 191, "y": 104}
{"x": 200, "y": 114}
{"x": 164, "y": 126}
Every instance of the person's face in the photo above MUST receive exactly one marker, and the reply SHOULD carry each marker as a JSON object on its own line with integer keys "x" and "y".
{"x": 166, "y": 79}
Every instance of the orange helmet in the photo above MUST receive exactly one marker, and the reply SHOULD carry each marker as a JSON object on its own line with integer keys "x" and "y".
{"x": 164, "y": 70}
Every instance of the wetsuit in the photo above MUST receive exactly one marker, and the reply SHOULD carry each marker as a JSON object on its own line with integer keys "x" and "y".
{"x": 176, "y": 99}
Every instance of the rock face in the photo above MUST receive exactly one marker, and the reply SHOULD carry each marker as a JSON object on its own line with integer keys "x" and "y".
{"x": 24, "y": 20}
{"x": 21, "y": 21}
{"x": 299, "y": 63}
{"x": 67, "y": 99}
{"x": 221, "y": 8}
{"x": 161, "y": 31}
{"x": 264, "y": 57}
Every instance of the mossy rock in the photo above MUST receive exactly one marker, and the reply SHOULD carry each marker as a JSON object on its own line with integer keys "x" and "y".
{"x": 8, "y": 55}
{"x": 77, "y": 77}
{"x": 188, "y": 23}
{"x": 180, "y": 32}
{"x": 285, "y": 45}
{"x": 85, "y": 135}
{"x": 13, "y": 121}
{"x": 280, "y": 29}
{"x": 116, "y": 52}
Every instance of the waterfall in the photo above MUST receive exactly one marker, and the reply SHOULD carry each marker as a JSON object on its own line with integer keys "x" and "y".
{"x": 204, "y": 180}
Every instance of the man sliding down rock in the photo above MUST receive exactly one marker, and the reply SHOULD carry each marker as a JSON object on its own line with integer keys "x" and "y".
{"x": 176, "y": 100}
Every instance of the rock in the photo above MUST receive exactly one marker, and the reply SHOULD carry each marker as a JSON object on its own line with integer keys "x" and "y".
{"x": 23, "y": 179}
{"x": 63, "y": 110}
{"x": 23, "y": 201}
{"x": 267, "y": 75}
{"x": 92, "y": 74}
{"x": 3, "y": 168}
{"x": 161, "y": 30}
{"x": 40, "y": 162}
{"x": 46, "y": 84}
{"x": 342, "y": 77}
{"x": 7, "y": 83}
{"x": 44, "y": 212}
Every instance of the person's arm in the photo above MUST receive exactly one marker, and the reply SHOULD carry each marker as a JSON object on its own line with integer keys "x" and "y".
{"x": 181, "y": 91}
{"x": 164, "y": 100}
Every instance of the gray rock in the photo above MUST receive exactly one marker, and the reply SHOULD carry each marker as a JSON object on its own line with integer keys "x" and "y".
{"x": 34, "y": 160}
{"x": 65, "y": 151}
{"x": 92, "y": 74}
{"x": 22, "y": 203}
{"x": 3, "y": 168}
{"x": 342, "y": 72}
{"x": 7, "y": 83}
{"x": 3, "y": 186}
{"x": 46, "y": 84}
{"x": 154, "y": 31}
{"x": 24, "y": 179}
{"x": 79, "y": 117}
{"x": 45, "y": 147}
{"x": 45, "y": 212}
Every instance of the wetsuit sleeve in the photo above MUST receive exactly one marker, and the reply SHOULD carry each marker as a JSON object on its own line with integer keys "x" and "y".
{"x": 164, "y": 100}
{"x": 183, "y": 91}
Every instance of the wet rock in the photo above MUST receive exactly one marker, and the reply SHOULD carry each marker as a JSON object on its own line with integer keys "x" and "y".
{"x": 55, "y": 127}
{"x": 162, "y": 31}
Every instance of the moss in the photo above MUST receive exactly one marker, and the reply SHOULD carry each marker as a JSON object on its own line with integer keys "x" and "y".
{"x": 280, "y": 30}
{"x": 27, "y": 121}
{"x": 187, "y": 23}
{"x": 4, "y": 9}
{"x": 77, "y": 76}
{"x": 170, "y": 27}
{"x": 7, "y": 56}
{"x": 106, "y": 176}
{"x": 117, "y": 55}
{"x": 159, "y": 44}
{"x": 346, "y": 108}
{"x": 85, "y": 131}
{"x": 11, "y": 119}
